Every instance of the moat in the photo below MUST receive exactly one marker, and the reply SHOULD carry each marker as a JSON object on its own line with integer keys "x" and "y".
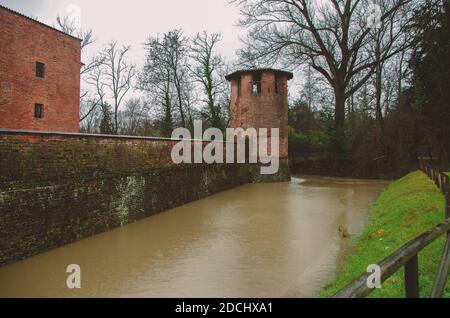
{"x": 257, "y": 240}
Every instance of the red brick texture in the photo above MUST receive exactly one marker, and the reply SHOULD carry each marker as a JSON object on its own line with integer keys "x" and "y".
{"x": 23, "y": 42}
{"x": 267, "y": 110}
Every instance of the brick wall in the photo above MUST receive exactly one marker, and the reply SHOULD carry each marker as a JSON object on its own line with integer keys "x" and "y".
{"x": 267, "y": 110}
{"x": 57, "y": 188}
{"x": 23, "y": 43}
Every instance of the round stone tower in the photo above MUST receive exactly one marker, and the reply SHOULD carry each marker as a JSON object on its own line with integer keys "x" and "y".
{"x": 259, "y": 99}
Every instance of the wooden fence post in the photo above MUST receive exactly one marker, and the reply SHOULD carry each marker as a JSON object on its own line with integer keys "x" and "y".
{"x": 446, "y": 192}
{"x": 412, "y": 278}
{"x": 447, "y": 204}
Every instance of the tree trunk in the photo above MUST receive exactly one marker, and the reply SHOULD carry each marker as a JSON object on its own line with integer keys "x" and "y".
{"x": 378, "y": 95}
{"x": 339, "y": 117}
{"x": 167, "y": 125}
{"x": 378, "y": 110}
{"x": 116, "y": 126}
{"x": 180, "y": 107}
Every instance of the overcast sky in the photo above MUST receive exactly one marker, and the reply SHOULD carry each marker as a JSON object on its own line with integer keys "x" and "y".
{"x": 130, "y": 22}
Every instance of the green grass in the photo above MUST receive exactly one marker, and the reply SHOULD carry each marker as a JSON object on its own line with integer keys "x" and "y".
{"x": 406, "y": 209}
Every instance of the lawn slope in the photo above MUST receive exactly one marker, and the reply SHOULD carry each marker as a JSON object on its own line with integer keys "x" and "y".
{"x": 406, "y": 209}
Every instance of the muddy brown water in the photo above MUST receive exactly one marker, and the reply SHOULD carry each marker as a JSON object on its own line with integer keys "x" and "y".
{"x": 258, "y": 240}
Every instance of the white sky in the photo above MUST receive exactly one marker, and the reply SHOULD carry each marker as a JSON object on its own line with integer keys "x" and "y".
{"x": 130, "y": 22}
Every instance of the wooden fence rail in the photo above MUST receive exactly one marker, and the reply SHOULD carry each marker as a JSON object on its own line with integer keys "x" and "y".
{"x": 407, "y": 255}
{"x": 442, "y": 181}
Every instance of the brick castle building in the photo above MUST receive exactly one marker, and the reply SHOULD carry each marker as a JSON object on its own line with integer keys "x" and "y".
{"x": 39, "y": 75}
{"x": 259, "y": 99}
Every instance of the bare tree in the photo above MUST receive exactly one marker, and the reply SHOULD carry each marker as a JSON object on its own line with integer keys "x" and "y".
{"x": 165, "y": 78}
{"x": 382, "y": 39}
{"x": 178, "y": 54}
{"x": 333, "y": 36}
{"x": 70, "y": 26}
{"x": 133, "y": 117}
{"x": 309, "y": 90}
{"x": 208, "y": 72}
{"x": 95, "y": 79}
{"x": 156, "y": 80}
{"x": 116, "y": 74}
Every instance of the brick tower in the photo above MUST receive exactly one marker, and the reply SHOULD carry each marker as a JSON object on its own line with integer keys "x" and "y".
{"x": 39, "y": 75}
{"x": 259, "y": 100}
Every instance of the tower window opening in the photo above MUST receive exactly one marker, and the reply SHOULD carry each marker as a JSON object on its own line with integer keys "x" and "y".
{"x": 256, "y": 84}
{"x": 40, "y": 67}
{"x": 38, "y": 111}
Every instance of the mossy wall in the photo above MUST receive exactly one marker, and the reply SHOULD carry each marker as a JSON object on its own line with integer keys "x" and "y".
{"x": 58, "y": 188}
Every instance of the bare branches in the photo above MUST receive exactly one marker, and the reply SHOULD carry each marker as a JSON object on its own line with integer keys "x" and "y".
{"x": 164, "y": 77}
{"x": 71, "y": 27}
{"x": 118, "y": 74}
{"x": 332, "y": 36}
{"x": 207, "y": 70}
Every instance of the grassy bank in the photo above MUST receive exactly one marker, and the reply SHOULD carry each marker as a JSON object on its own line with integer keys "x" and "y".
{"x": 407, "y": 208}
